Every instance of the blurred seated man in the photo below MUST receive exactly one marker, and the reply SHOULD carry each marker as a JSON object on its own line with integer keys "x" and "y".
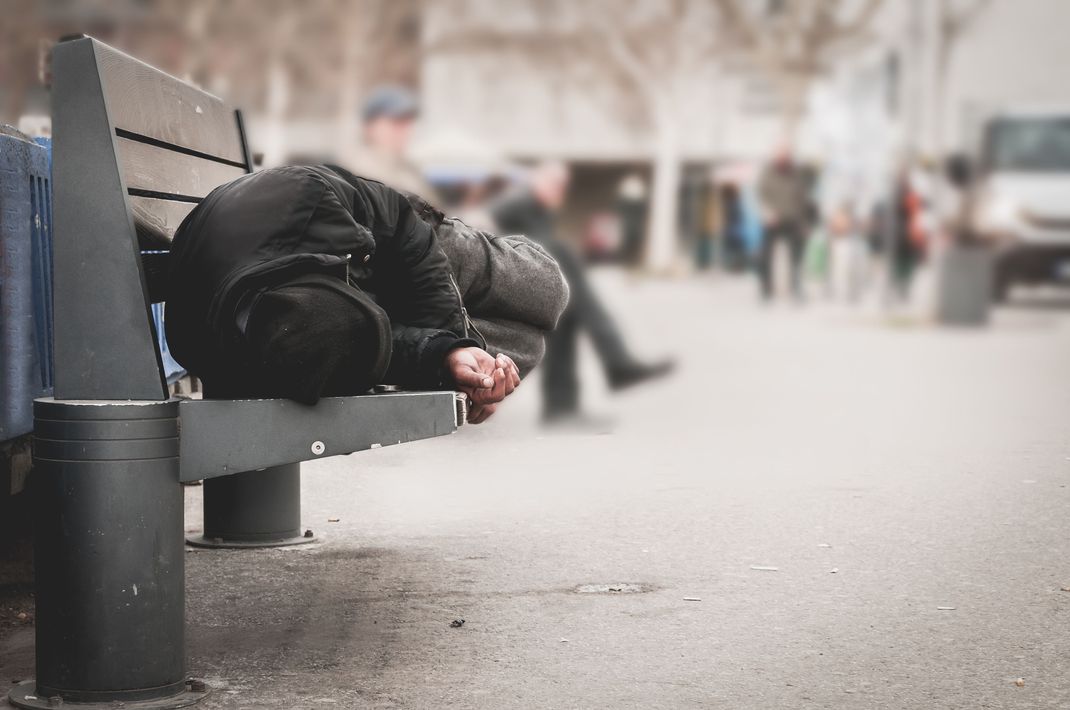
{"x": 307, "y": 281}
{"x": 387, "y": 121}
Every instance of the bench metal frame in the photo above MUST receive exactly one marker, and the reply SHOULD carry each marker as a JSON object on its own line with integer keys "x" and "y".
{"x": 111, "y": 447}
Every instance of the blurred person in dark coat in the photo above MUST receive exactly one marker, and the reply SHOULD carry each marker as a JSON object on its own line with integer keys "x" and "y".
{"x": 532, "y": 211}
{"x": 909, "y": 234}
{"x": 784, "y": 191}
{"x": 732, "y": 226}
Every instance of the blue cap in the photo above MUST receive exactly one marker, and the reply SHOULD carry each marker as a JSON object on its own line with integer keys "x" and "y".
{"x": 392, "y": 101}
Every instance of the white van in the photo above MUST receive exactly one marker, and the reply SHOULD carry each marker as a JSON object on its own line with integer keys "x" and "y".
{"x": 1020, "y": 205}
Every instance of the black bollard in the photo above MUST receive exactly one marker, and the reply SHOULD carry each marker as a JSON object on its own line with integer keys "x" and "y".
{"x": 110, "y": 564}
{"x": 254, "y": 509}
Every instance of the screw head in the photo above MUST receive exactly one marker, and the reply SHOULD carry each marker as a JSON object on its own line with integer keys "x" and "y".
{"x": 318, "y": 447}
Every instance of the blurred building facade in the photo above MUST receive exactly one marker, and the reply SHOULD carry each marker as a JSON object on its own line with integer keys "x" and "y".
{"x": 915, "y": 84}
{"x": 616, "y": 88}
{"x": 929, "y": 76}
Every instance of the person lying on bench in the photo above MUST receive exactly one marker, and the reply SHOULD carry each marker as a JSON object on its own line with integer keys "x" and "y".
{"x": 307, "y": 281}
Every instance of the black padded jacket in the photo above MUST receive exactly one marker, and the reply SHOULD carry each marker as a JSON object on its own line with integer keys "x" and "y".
{"x": 267, "y": 228}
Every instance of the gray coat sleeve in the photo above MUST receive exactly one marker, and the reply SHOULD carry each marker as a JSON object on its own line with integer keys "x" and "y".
{"x": 513, "y": 289}
{"x": 523, "y": 342}
{"x": 504, "y": 278}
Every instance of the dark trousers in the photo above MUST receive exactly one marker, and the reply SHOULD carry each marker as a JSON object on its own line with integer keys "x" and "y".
{"x": 560, "y": 378}
{"x": 793, "y": 235}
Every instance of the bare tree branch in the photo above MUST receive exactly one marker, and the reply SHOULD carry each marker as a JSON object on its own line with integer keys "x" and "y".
{"x": 861, "y": 23}
{"x": 796, "y": 43}
{"x": 953, "y": 24}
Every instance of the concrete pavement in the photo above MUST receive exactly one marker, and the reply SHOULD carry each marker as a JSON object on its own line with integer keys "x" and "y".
{"x": 908, "y": 485}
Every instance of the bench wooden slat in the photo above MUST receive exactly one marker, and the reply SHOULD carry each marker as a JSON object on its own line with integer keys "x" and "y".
{"x": 147, "y": 101}
{"x": 159, "y": 218}
{"x": 147, "y": 167}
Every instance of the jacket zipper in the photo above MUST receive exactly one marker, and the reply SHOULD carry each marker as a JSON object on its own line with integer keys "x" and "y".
{"x": 467, "y": 321}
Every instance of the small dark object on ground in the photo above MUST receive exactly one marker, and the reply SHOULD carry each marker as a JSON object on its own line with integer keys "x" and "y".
{"x": 308, "y": 533}
{"x": 457, "y": 623}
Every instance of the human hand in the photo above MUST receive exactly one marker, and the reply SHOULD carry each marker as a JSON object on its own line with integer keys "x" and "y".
{"x": 485, "y": 379}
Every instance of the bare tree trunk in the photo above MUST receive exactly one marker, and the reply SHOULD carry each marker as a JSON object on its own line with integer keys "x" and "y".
{"x": 796, "y": 93}
{"x": 665, "y": 194}
{"x": 278, "y": 99}
{"x": 346, "y": 123}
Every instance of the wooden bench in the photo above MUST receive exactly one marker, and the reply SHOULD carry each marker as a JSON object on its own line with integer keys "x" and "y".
{"x": 134, "y": 151}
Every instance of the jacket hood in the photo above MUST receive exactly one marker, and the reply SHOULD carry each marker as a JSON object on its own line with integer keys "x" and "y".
{"x": 277, "y": 225}
{"x": 315, "y": 336}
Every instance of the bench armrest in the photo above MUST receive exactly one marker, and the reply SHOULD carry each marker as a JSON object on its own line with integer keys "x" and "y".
{"x": 220, "y": 436}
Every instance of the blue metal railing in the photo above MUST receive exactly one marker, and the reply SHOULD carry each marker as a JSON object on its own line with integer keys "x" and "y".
{"x": 25, "y": 280}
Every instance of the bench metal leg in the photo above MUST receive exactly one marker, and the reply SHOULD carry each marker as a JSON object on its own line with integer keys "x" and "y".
{"x": 254, "y": 509}
{"x": 110, "y": 568}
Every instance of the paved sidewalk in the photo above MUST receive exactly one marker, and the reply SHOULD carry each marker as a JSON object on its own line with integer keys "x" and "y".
{"x": 822, "y": 510}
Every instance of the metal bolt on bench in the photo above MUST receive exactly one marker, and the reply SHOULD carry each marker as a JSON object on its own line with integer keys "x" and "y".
{"x": 134, "y": 150}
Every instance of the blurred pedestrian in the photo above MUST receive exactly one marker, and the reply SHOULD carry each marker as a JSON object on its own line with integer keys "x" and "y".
{"x": 533, "y": 211}
{"x": 709, "y": 225}
{"x": 784, "y": 191}
{"x": 846, "y": 255}
{"x": 909, "y": 233}
{"x": 733, "y": 238}
{"x": 388, "y": 118}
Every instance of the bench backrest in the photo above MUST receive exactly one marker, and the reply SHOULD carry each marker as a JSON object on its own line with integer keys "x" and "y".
{"x": 134, "y": 150}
